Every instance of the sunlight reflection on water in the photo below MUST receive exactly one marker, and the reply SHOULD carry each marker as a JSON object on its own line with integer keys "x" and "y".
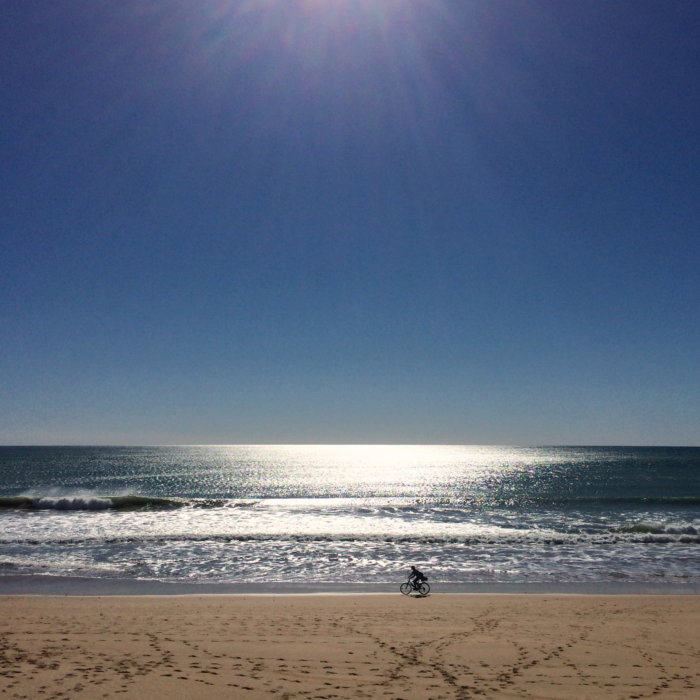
{"x": 307, "y": 512}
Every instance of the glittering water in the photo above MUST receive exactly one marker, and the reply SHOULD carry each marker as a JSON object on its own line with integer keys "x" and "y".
{"x": 352, "y": 513}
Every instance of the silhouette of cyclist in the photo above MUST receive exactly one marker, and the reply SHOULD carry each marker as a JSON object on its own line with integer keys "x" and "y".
{"x": 416, "y": 577}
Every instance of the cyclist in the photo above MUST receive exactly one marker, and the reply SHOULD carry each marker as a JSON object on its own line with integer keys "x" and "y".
{"x": 416, "y": 577}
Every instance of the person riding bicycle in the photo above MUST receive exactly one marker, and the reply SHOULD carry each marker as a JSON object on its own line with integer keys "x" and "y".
{"x": 416, "y": 577}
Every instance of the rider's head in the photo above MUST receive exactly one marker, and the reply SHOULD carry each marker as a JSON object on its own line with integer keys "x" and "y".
{"x": 413, "y": 568}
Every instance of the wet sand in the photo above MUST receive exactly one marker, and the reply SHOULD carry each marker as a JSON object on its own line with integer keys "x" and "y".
{"x": 350, "y": 646}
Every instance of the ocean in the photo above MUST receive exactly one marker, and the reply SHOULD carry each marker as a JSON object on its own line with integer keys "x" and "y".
{"x": 353, "y": 517}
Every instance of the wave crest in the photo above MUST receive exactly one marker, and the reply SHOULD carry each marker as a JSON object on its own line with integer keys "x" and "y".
{"x": 89, "y": 503}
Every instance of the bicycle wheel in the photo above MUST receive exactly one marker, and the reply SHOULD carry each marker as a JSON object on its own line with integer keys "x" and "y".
{"x": 424, "y": 588}
{"x": 405, "y": 588}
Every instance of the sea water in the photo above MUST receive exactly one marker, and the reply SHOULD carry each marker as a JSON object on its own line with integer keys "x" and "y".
{"x": 354, "y": 514}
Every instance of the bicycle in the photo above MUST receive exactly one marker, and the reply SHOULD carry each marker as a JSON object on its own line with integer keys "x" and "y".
{"x": 423, "y": 588}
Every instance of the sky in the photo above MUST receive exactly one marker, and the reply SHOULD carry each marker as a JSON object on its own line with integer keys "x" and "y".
{"x": 350, "y": 221}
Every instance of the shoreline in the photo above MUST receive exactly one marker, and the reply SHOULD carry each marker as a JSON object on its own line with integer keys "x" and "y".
{"x": 350, "y": 646}
{"x": 46, "y": 585}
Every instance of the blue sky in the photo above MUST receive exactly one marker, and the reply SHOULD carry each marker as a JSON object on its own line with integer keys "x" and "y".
{"x": 350, "y": 221}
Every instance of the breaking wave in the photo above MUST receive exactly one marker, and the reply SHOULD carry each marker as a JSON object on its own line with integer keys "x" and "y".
{"x": 100, "y": 503}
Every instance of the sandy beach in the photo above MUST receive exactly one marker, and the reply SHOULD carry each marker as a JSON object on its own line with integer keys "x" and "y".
{"x": 350, "y": 646}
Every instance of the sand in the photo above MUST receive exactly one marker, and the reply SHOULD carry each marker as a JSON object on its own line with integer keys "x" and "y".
{"x": 350, "y": 646}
